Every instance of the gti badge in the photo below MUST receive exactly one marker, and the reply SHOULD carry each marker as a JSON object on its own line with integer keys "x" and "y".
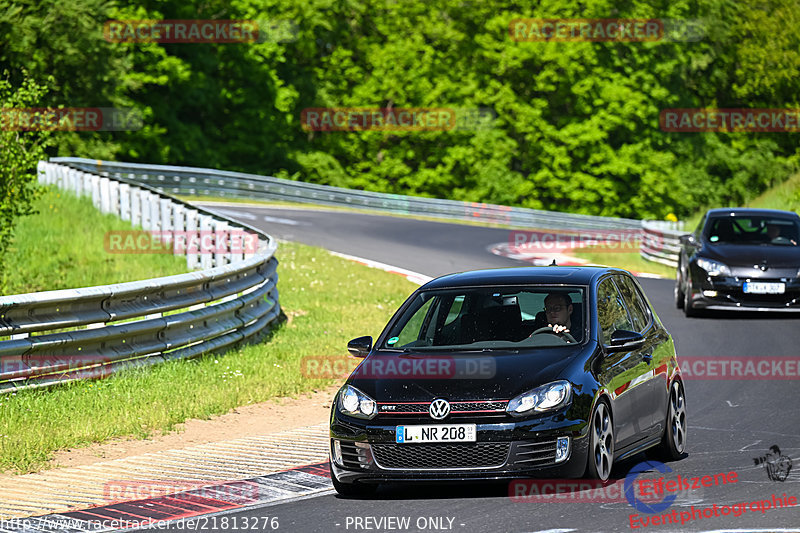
{"x": 439, "y": 409}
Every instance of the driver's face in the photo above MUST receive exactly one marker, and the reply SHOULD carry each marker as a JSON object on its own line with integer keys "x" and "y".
{"x": 556, "y": 310}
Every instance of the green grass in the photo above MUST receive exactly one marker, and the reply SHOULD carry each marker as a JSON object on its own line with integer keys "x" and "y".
{"x": 627, "y": 260}
{"x": 785, "y": 196}
{"x": 328, "y": 301}
{"x": 62, "y": 247}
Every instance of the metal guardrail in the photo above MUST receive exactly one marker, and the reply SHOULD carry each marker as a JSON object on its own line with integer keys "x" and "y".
{"x": 200, "y": 181}
{"x": 660, "y": 242}
{"x": 60, "y": 336}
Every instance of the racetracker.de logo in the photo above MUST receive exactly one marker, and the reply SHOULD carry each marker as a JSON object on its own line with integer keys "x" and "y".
{"x": 70, "y": 119}
{"x": 559, "y": 240}
{"x": 56, "y": 366}
{"x": 374, "y": 118}
{"x": 605, "y": 30}
{"x": 180, "y": 242}
{"x": 730, "y": 120}
{"x": 123, "y": 490}
{"x": 181, "y": 31}
{"x": 402, "y": 367}
{"x": 749, "y": 368}
{"x": 567, "y": 30}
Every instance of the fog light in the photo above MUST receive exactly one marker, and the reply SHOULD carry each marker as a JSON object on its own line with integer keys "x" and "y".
{"x": 365, "y": 459}
{"x": 710, "y": 294}
{"x": 337, "y": 453}
{"x": 562, "y": 449}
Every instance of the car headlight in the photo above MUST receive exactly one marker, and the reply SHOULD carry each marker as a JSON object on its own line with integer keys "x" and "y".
{"x": 714, "y": 268}
{"x": 545, "y": 398}
{"x": 353, "y": 402}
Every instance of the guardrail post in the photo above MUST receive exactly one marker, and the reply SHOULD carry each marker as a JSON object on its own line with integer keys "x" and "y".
{"x": 206, "y": 230}
{"x": 105, "y": 195}
{"x": 113, "y": 197}
{"x": 136, "y": 206}
{"x": 192, "y": 239}
{"x": 125, "y": 201}
{"x": 155, "y": 212}
{"x": 95, "y": 191}
{"x": 144, "y": 198}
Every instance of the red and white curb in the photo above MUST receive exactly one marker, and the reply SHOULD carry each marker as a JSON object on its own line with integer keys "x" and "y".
{"x": 539, "y": 258}
{"x": 413, "y": 277}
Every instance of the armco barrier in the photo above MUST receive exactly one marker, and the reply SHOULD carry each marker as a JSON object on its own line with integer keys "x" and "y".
{"x": 234, "y": 299}
{"x": 660, "y": 242}
{"x": 207, "y": 182}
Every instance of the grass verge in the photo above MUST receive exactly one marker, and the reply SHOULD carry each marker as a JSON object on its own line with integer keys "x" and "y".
{"x": 62, "y": 247}
{"x": 328, "y": 301}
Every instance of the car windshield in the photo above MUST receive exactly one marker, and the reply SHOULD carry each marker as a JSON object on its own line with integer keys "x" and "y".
{"x": 758, "y": 230}
{"x": 486, "y": 318}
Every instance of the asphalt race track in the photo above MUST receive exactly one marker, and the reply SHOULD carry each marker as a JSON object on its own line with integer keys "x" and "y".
{"x": 731, "y": 422}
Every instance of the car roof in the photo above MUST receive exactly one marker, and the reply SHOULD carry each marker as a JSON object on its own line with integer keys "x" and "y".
{"x": 743, "y": 211}
{"x": 569, "y": 275}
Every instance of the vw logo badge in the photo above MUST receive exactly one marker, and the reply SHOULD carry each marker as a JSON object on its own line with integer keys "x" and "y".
{"x": 439, "y": 409}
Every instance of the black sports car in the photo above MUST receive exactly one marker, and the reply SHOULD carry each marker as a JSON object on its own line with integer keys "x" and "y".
{"x": 747, "y": 259}
{"x": 507, "y": 373}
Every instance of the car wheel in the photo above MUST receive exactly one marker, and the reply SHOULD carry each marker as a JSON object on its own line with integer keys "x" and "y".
{"x": 688, "y": 307}
{"x": 352, "y": 489}
{"x": 678, "y": 291}
{"x": 601, "y": 443}
{"x": 673, "y": 443}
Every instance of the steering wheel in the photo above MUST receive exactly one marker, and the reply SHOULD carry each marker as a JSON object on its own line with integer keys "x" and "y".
{"x": 550, "y": 331}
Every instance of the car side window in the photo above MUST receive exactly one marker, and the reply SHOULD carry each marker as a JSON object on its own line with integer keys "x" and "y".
{"x": 611, "y": 312}
{"x": 637, "y": 306}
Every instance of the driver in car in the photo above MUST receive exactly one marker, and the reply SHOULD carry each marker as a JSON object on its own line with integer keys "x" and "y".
{"x": 558, "y": 308}
{"x": 775, "y": 237}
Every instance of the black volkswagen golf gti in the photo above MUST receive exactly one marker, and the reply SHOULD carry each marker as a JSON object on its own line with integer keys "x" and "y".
{"x": 507, "y": 373}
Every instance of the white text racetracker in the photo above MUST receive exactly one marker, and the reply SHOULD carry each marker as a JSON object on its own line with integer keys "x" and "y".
{"x": 436, "y": 433}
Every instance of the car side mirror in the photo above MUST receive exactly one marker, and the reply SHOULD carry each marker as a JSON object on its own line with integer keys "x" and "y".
{"x": 688, "y": 239}
{"x": 360, "y": 347}
{"x": 624, "y": 341}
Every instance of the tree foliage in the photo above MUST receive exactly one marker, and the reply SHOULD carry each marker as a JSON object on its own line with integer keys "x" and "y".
{"x": 576, "y": 125}
{"x": 19, "y": 153}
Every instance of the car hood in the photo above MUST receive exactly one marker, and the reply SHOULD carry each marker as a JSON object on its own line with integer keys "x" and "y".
{"x": 466, "y": 376}
{"x": 745, "y": 255}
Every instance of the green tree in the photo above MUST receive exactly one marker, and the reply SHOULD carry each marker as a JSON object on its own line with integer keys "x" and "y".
{"x": 20, "y": 151}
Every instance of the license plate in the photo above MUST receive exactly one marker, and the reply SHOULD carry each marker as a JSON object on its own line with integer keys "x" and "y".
{"x": 760, "y": 287}
{"x": 437, "y": 433}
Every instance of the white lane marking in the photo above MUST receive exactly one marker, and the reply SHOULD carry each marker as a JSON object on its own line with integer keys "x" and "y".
{"x": 414, "y": 277}
{"x": 287, "y": 221}
{"x": 745, "y": 448}
{"x": 554, "y": 531}
{"x": 770, "y": 530}
{"x": 731, "y": 405}
{"x": 234, "y": 214}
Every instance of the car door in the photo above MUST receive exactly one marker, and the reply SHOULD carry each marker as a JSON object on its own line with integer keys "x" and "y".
{"x": 654, "y": 382}
{"x": 622, "y": 372}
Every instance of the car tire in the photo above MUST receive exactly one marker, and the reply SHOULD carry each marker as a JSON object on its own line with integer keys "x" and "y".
{"x": 673, "y": 443}
{"x": 352, "y": 490}
{"x": 678, "y": 293}
{"x": 688, "y": 308}
{"x": 601, "y": 443}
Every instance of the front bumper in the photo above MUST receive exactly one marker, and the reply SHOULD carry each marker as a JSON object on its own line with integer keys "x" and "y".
{"x": 727, "y": 293}
{"x": 504, "y": 450}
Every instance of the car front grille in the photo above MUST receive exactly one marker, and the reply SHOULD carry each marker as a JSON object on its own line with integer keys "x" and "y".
{"x": 441, "y": 456}
{"x": 421, "y": 408}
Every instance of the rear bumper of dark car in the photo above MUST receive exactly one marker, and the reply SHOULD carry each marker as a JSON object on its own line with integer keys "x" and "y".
{"x": 504, "y": 450}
